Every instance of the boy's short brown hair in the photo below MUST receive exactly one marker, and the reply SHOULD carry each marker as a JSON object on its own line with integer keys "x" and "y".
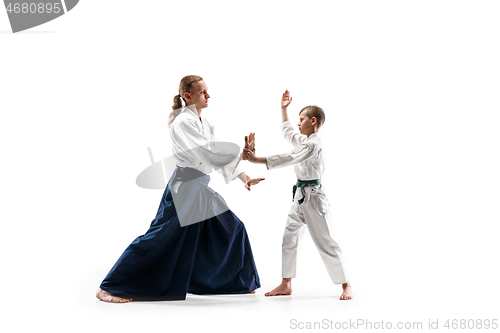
{"x": 315, "y": 111}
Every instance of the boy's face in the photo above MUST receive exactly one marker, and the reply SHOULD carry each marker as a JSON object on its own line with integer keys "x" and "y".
{"x": 306, "y": 124}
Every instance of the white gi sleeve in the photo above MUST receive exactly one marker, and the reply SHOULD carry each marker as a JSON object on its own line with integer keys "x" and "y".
{"x": 290, "y": 135}
{"x": 231, "y": 170}
{"x": 300, "y": 154}
{"x": 196, "y": 144}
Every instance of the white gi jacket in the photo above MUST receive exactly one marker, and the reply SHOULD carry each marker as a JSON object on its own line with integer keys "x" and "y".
{"x": 307, "y": 157}
{"x": 193, "y": 146}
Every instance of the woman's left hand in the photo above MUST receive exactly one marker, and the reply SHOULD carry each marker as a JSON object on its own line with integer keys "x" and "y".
{"x": 251, "y": 182}
{"x": 250, "y": 142}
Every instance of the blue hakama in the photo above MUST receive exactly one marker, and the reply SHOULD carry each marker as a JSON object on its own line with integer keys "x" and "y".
{"x": 167, "y": 262}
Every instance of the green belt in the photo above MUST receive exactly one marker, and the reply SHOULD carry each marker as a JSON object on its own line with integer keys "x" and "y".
{"x": 302, "y": 184}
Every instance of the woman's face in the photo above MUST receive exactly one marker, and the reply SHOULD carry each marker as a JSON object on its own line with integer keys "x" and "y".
{"x": 199, "y": 95}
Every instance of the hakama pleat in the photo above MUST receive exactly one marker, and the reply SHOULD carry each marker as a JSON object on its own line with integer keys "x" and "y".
{"x": 212, "y": 256}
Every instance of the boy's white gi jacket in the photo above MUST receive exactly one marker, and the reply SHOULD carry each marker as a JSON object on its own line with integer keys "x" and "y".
{"x": 307, "y": 157}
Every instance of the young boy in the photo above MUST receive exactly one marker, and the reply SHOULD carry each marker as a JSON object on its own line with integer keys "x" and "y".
{"x": 310, "y": 204}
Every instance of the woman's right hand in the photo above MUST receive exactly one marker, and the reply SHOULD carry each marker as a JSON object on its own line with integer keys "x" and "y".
{"x": 250, "y": 142}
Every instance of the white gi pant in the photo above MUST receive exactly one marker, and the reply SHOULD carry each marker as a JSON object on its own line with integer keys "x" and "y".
{"x": 313, "y": 212}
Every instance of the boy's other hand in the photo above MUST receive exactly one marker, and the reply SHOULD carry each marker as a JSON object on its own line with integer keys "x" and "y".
{"x": 286, "y": 99}
{"x": 248, "y": 155}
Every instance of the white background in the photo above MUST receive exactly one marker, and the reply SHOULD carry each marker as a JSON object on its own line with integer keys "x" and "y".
{"x": 411, "y": 94}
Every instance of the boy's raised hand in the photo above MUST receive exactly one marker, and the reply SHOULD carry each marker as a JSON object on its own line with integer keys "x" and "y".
{"x": 286, "y": 99}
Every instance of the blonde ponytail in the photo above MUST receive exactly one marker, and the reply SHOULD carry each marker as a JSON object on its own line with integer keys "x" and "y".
{"x": 184, "y": 86}
{"x": 177, "y": 107}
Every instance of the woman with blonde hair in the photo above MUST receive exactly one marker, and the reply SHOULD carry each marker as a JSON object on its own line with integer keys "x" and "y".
{"x": 195, "y": 244}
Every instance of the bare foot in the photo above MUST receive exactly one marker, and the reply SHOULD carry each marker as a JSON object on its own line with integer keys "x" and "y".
{"x": 347, "y": 293}
{"x": 107, "y": 297}
{"x": 285, "y": 288}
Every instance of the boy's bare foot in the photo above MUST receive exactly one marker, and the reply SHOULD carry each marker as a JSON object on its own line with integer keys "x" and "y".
{"x": 107, "y": 297}
{"x": 285, "y": 288}
{"x": 347, "y": 293}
